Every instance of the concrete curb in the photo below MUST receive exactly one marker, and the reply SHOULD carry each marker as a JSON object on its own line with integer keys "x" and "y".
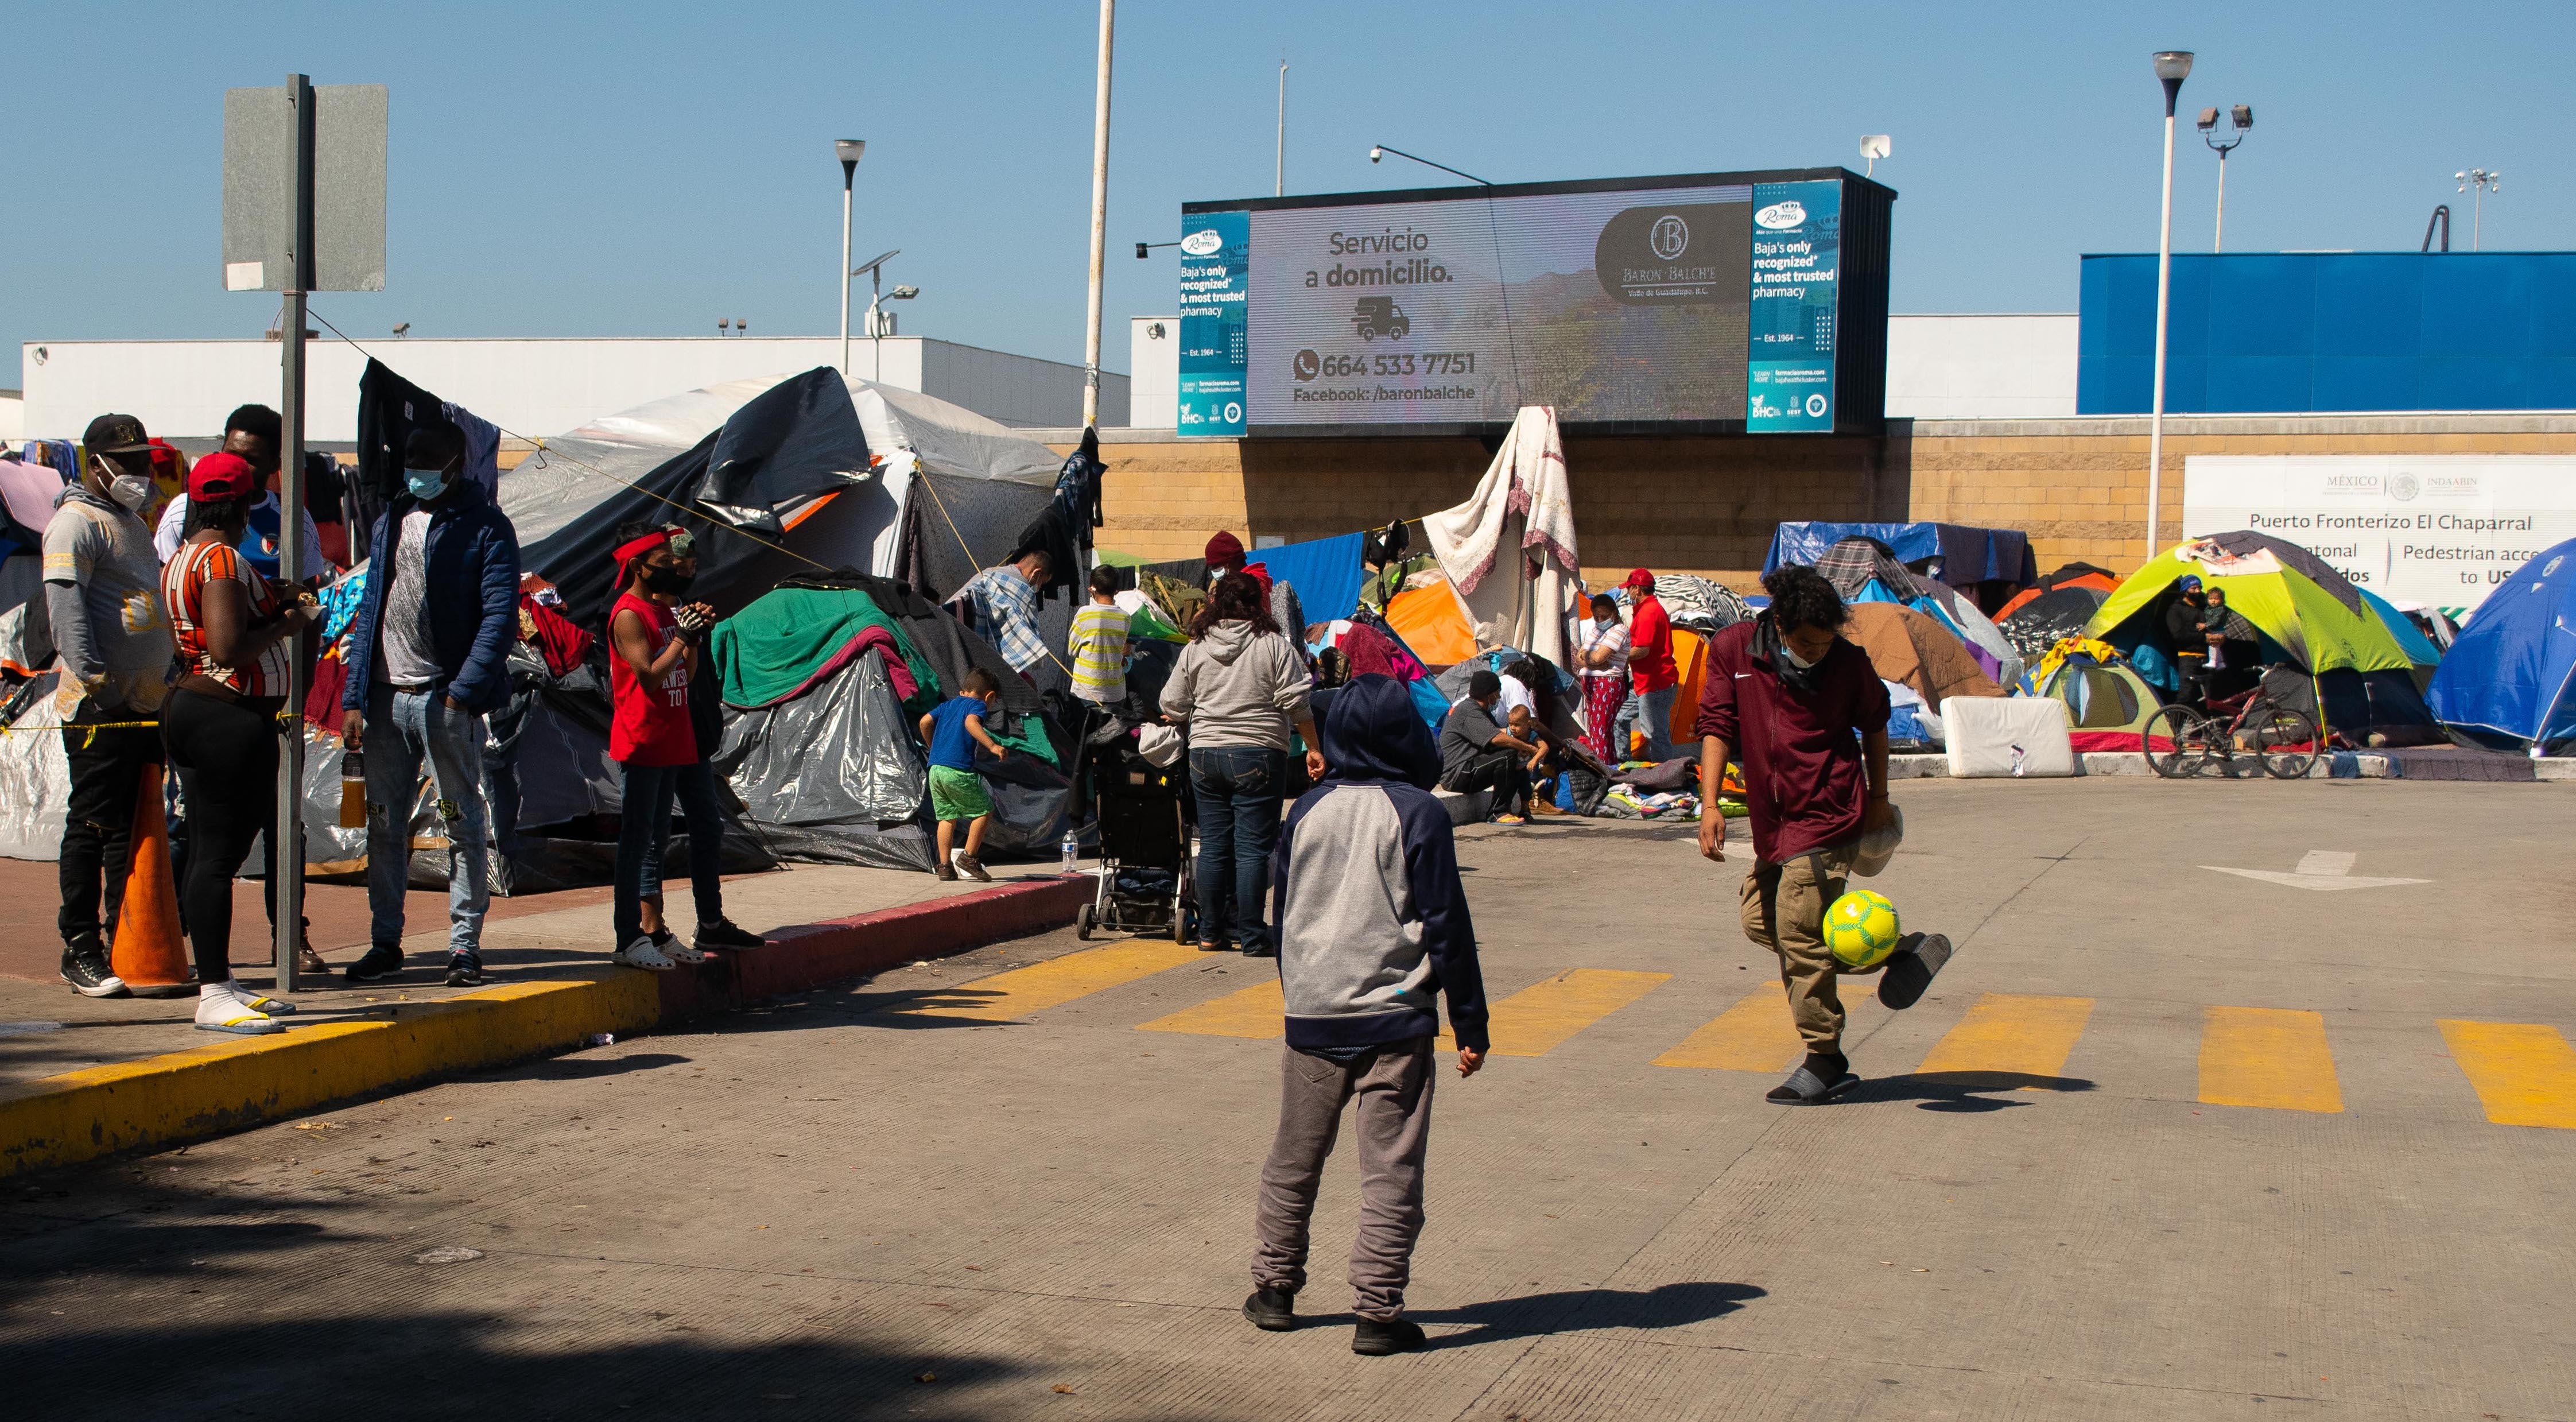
{"x": 205, "y": 1091}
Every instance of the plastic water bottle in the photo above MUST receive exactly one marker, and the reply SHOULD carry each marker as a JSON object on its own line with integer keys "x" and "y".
{"x": 2020, "y": 758}
{"x": 1072, "y": 852}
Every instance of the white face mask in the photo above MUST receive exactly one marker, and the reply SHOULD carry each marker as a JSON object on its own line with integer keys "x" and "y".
{"x": 131, "y": 490}
{"x": 1801, "y": 663}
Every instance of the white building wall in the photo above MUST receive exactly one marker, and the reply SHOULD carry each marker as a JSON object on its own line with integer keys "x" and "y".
{"x": 1981, "y": 367}
{"x": 1154, "y": 363}
{"x": 13, "y": 417}
{"x": 531, "y": 388}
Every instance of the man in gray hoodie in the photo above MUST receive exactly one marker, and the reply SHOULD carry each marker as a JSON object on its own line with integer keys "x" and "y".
{"x": 1241, "y": 687}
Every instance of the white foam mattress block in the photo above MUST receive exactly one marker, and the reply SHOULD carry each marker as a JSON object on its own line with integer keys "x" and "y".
{"x": 1989, "y": 736}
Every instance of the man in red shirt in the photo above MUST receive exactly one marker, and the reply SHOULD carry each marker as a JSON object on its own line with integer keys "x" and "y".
{"x": 1650, "y": 667}
{"x": 1807, "y": 716}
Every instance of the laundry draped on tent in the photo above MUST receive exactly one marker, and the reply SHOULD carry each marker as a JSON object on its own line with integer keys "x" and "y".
{"x": 1509, "y": 549}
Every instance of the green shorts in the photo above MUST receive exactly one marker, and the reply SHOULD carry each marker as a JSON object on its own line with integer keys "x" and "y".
{"x": 958, "y": 794}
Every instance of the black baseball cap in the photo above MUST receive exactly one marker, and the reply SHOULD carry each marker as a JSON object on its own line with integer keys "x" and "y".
{"x": 115, "y": 434}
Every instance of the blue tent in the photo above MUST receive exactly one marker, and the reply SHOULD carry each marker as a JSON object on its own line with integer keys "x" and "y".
{"x": 1968, "y": 555}
{"x": 2510, "y": 679}
{"x": 1325, "y": 572}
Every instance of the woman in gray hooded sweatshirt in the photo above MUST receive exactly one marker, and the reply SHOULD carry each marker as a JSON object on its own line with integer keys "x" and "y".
{"x": 1241, "y": 686}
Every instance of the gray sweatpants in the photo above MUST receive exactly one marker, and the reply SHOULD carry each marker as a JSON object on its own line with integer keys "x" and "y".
{"x": 1393, "y": 1088}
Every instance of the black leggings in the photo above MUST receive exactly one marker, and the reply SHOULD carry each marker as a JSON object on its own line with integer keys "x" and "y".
{"x": 225, "y": 753}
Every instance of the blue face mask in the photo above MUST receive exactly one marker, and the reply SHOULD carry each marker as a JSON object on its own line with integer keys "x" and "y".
{"x": 426, "y": 483}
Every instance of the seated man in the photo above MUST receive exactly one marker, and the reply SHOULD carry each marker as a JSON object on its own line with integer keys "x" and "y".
{"x": 1477, "y": 753}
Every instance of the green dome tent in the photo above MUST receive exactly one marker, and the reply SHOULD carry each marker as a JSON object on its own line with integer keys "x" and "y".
{"x": 2326, "y": 649}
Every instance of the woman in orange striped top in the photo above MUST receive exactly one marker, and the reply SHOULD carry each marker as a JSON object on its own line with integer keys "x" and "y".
{"x": 235, "y": 632}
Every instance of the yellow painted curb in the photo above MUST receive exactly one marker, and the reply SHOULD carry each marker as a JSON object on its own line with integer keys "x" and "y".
{"x": 59, "y": 1120}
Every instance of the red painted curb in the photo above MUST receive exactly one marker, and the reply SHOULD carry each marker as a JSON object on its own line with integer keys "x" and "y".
{"x": 812, "y": 955}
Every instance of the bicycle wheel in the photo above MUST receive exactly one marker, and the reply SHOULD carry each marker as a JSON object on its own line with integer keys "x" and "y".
{"x": 2188, "y": 742}
{"x": 2286, "y": 740}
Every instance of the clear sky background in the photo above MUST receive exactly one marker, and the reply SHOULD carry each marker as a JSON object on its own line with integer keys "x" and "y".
{"x": 644, "y": 169}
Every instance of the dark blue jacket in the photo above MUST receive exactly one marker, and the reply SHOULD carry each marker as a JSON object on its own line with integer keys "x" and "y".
{"x": 1372, "y": 919}
{"x": 472, "y": 598}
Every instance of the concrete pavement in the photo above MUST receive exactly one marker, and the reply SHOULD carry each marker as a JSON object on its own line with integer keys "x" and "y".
{"x": 977, "y": 1190}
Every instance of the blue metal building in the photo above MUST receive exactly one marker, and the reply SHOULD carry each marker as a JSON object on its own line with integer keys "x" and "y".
{"x": 2296, "y": 332}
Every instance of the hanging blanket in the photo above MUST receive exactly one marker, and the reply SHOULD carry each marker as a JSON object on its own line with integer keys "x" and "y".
{"x": 1520, "y": 523}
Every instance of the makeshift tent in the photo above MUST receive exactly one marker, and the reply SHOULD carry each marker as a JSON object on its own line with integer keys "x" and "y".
{"x": 1983, "y": 560}
{"x": 2307, "y": 616}
{"x": 2108, "y": 704}
{"x": 2039, "y": 622}
{"x": 2069, "y": 575}
{"x": 1510, "y": 548}
{"x": 1908, "y": 646}
{"x": 1695, "y": 603}
{"x": 1324, "y": 571}
{"x": 2509, "y": 681}
{"x": 1864, "y": 571}
{"x": 1433, "y": 621}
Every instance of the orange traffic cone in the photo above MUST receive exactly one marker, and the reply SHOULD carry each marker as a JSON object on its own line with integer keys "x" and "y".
{"x": 148, "y": 952}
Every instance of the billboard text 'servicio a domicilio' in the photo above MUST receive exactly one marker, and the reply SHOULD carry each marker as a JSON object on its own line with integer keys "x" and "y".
{"x": 1712, "y": 302}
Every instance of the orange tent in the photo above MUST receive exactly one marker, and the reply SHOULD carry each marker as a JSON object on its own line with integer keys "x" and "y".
{"x": 2073, "y": 575}
{"x": 1433, "y": 622}
{"x": 1690, "y": 658}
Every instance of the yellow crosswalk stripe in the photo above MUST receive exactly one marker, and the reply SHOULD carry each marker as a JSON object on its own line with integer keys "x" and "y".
{"x": 2524, "y": 1072}
{"x": 1753, "y": 1035}
{"x": 1545, "y": 1015}
{"x": 2012, "y": 1035}
{"x": 1021, "y": 991}
{"x": 2263, "y": 1056}
{"x": 1256, "y": 1012}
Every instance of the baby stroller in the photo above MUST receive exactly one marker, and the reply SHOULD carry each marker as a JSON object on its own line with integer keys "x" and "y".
{"x": 1145, "y": 884}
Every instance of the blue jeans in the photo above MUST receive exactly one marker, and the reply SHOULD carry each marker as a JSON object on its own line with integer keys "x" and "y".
{"x": 694, "y": 786}
{"x": 1238, "y": 793}
{"x": 1656, "y": 707}
{"x": 403, "y": 728}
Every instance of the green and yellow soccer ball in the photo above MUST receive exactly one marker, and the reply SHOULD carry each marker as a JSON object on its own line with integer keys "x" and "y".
{"x": 1861, "y": 930}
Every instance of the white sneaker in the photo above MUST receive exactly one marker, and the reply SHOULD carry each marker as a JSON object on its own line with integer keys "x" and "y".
{"x": 642, "y": 954}
{"x": 221, "y": 1007}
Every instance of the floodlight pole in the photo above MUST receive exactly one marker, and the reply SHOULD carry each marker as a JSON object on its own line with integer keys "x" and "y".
{"x": 1279, "y": 181}
{"x": 1099, "y": 220}
{"x": 849, "y": 172}
{"x": 286, "y": 839}
{"x": 2172, "y": 66}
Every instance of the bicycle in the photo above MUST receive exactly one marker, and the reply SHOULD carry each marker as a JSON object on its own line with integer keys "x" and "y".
{"x": 2283, "y": 738}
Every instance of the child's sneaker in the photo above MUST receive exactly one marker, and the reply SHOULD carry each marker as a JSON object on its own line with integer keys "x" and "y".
{"x": 944, "y": 871}
{"x": 971, "y": 867}
{"x": 642, "y": 954}
{"x": 1509, "y": 820}
{"x": 724, "y": 934}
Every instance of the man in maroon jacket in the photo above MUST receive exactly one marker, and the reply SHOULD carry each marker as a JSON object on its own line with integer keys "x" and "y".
{"x": 1807, "y": 716}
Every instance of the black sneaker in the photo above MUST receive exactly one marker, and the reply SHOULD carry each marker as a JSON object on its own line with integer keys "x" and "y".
{"x": 86, "y": 968}
{"x": 382, "y": 962}
{"x": 1374, "y": 1339}
{"x": 464, "y": 971}
{"x": 723, "y": 934}
{"x": 1271, "y": 1310}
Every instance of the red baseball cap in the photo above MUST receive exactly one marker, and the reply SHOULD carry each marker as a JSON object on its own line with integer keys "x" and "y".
{"x": 1640, "y": 579}
{"x": 219, "y": 476}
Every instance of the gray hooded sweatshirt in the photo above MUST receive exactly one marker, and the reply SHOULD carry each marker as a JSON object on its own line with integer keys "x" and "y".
{"x": 1239, "y": 688}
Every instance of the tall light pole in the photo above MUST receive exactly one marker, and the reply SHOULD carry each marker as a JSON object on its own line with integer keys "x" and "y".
{"x": 848, "y": 151}
{"x": 2242, "y": 120}
{"x": 2481, "y": 182}
{"x": 1279, "y": 183}
{"x": 1502, "y": 282}
{"x": 2172, "y": 66}
{"x": 1099, "y": 220}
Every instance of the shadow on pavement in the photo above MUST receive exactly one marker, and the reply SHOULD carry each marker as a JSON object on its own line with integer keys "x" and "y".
{"x": 1966, "y": 1092}
{"x": 1572, "y": 1310}
{"x": 585, "y": 1068}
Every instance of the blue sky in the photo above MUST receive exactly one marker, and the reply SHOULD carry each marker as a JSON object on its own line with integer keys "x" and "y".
{"x": 647, "y": 168}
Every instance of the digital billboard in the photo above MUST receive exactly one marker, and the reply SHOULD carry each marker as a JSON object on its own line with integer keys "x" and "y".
{"x": 1711, "y": 302}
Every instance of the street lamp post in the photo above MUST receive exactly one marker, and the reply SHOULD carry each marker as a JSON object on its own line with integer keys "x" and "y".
{"x": 1502, "y": 282}
{"x": 2242, "y": 120}
{"x": 2481, "y": 182}
{"x": 2172, "y": 67}
{"x": 848, "y": 151}
{"x": 1099, "y": 221}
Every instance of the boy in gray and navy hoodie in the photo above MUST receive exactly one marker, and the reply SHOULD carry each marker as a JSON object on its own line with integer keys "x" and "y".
{"x": 1373, "y": 926}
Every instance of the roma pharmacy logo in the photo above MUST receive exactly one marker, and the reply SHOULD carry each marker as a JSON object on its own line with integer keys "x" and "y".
{"x": 1781, "y": 216}
{"x": 1203, "y": 243}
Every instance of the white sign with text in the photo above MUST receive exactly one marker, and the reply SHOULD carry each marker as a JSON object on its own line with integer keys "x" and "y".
{"x": 2437, "y": 529}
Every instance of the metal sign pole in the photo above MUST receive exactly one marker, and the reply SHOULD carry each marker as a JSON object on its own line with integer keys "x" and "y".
{"x": 286, "y": 843}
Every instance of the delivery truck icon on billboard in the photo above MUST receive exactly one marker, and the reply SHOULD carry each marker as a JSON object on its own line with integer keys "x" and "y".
{"x": 1375, "y": 316}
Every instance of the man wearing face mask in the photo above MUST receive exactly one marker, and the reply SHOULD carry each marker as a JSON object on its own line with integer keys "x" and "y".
{"x": 1807, "y": 716}
{"x": 253, "y": 433}
{"x": 103, "y": 597}
{"x": 427, "y": 656}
